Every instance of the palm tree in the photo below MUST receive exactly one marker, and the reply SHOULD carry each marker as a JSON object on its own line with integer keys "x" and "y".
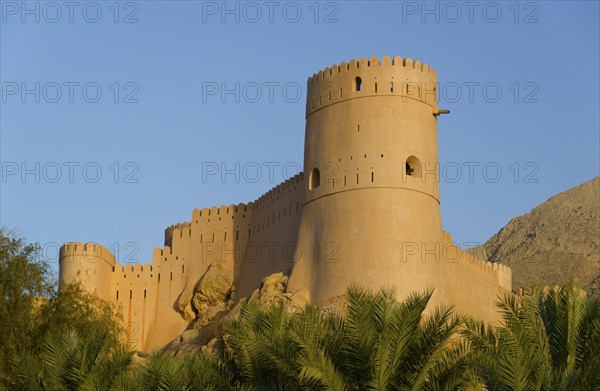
{"x": 376, "y": 343}
{"x": 68, "y": 362}
{"x": 391, "y": 345}
{"x": 548, "y": 340}
{"x": 163, "y": 371}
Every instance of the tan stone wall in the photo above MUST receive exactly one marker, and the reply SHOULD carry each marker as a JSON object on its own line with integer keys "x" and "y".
{"x": 146, "y": 295}
{"x": 247, "y": 240}
{"x": 271, "y": 245}
{"x": 474, "y": 285}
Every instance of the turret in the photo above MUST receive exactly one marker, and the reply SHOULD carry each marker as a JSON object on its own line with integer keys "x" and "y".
{"x": 90, "y": 264}
{"x": 371, "y": 213}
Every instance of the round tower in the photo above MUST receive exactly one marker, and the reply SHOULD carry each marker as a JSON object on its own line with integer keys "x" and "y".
{"x": 371, "y": 213}
{"x": 90, "y": 264}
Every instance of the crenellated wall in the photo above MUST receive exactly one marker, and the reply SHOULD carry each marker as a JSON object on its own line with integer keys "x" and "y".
{"x": 365, "y": 210}
{"x": 475, "y": 284}
{"x": 249, "y": 240}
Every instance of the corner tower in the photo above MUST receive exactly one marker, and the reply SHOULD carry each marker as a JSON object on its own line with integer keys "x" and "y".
{"x": 90, "y": 264}
{"x": 371, "y": 211}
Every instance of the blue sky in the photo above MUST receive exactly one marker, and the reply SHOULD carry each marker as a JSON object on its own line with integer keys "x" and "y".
{"x": 112, "y": 142}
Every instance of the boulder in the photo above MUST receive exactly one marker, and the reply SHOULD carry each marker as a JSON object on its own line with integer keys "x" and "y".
{"x": 214, "y": 289}
{"x": 300, "y": 298}
{"x": 213, "y": 306}
{"x": 184, "y": 305}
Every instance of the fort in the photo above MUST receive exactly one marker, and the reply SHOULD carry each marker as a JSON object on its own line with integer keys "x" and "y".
{"x": 365, "y": 210}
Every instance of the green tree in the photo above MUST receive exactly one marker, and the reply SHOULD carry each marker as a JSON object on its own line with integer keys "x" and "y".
{"x": 32, "y": 306}
{"x": 68, "y": 362}
{"x": 23, "y": 283}
{"x": 549, "y": 340}
{"x": 73, "y": 308}
{"x": 376, "y": 343}
{"x": 192, "y": 371}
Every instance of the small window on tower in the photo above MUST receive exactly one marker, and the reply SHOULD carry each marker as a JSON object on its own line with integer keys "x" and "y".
{"x": 357, "y": 84}
{"x": 315, "y": 179}
{"x": 413, "y": 167}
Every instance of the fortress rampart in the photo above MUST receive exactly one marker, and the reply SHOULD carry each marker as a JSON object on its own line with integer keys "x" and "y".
{"x": 475, "y": 285}
{"x": 249, "y": 240}
{"x": 365, "y": 210}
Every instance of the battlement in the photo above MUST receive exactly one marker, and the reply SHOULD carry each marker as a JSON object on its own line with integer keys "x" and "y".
{"x": 91, "y": 252}
{"x": 367, "y": 78}
{"x": 499, "y": 267}
{"x": 161, "y": 252}
{"x": 242, "y": 210}
{"x": 279, "y": 190}
{"x": 204, "y": 213}
{"x": 204, "y": 216}
{"x": 135, "y": 267}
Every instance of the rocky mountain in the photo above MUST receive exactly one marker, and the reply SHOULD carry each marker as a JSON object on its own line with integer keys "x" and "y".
{"x": 556, "y": 241}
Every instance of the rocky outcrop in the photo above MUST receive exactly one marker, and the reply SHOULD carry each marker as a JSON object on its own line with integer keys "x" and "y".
{"x": 557, "y": 241}
{"x": 211, "y": 293}
{"x": 210, "y": 305}
{"x": 273, "y": 291}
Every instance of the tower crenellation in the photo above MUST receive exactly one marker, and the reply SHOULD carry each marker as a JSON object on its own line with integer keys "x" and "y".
{"x": 91, "y": 252}
{"x": 356, "y": 79}
{"x": 90, "y": 264}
